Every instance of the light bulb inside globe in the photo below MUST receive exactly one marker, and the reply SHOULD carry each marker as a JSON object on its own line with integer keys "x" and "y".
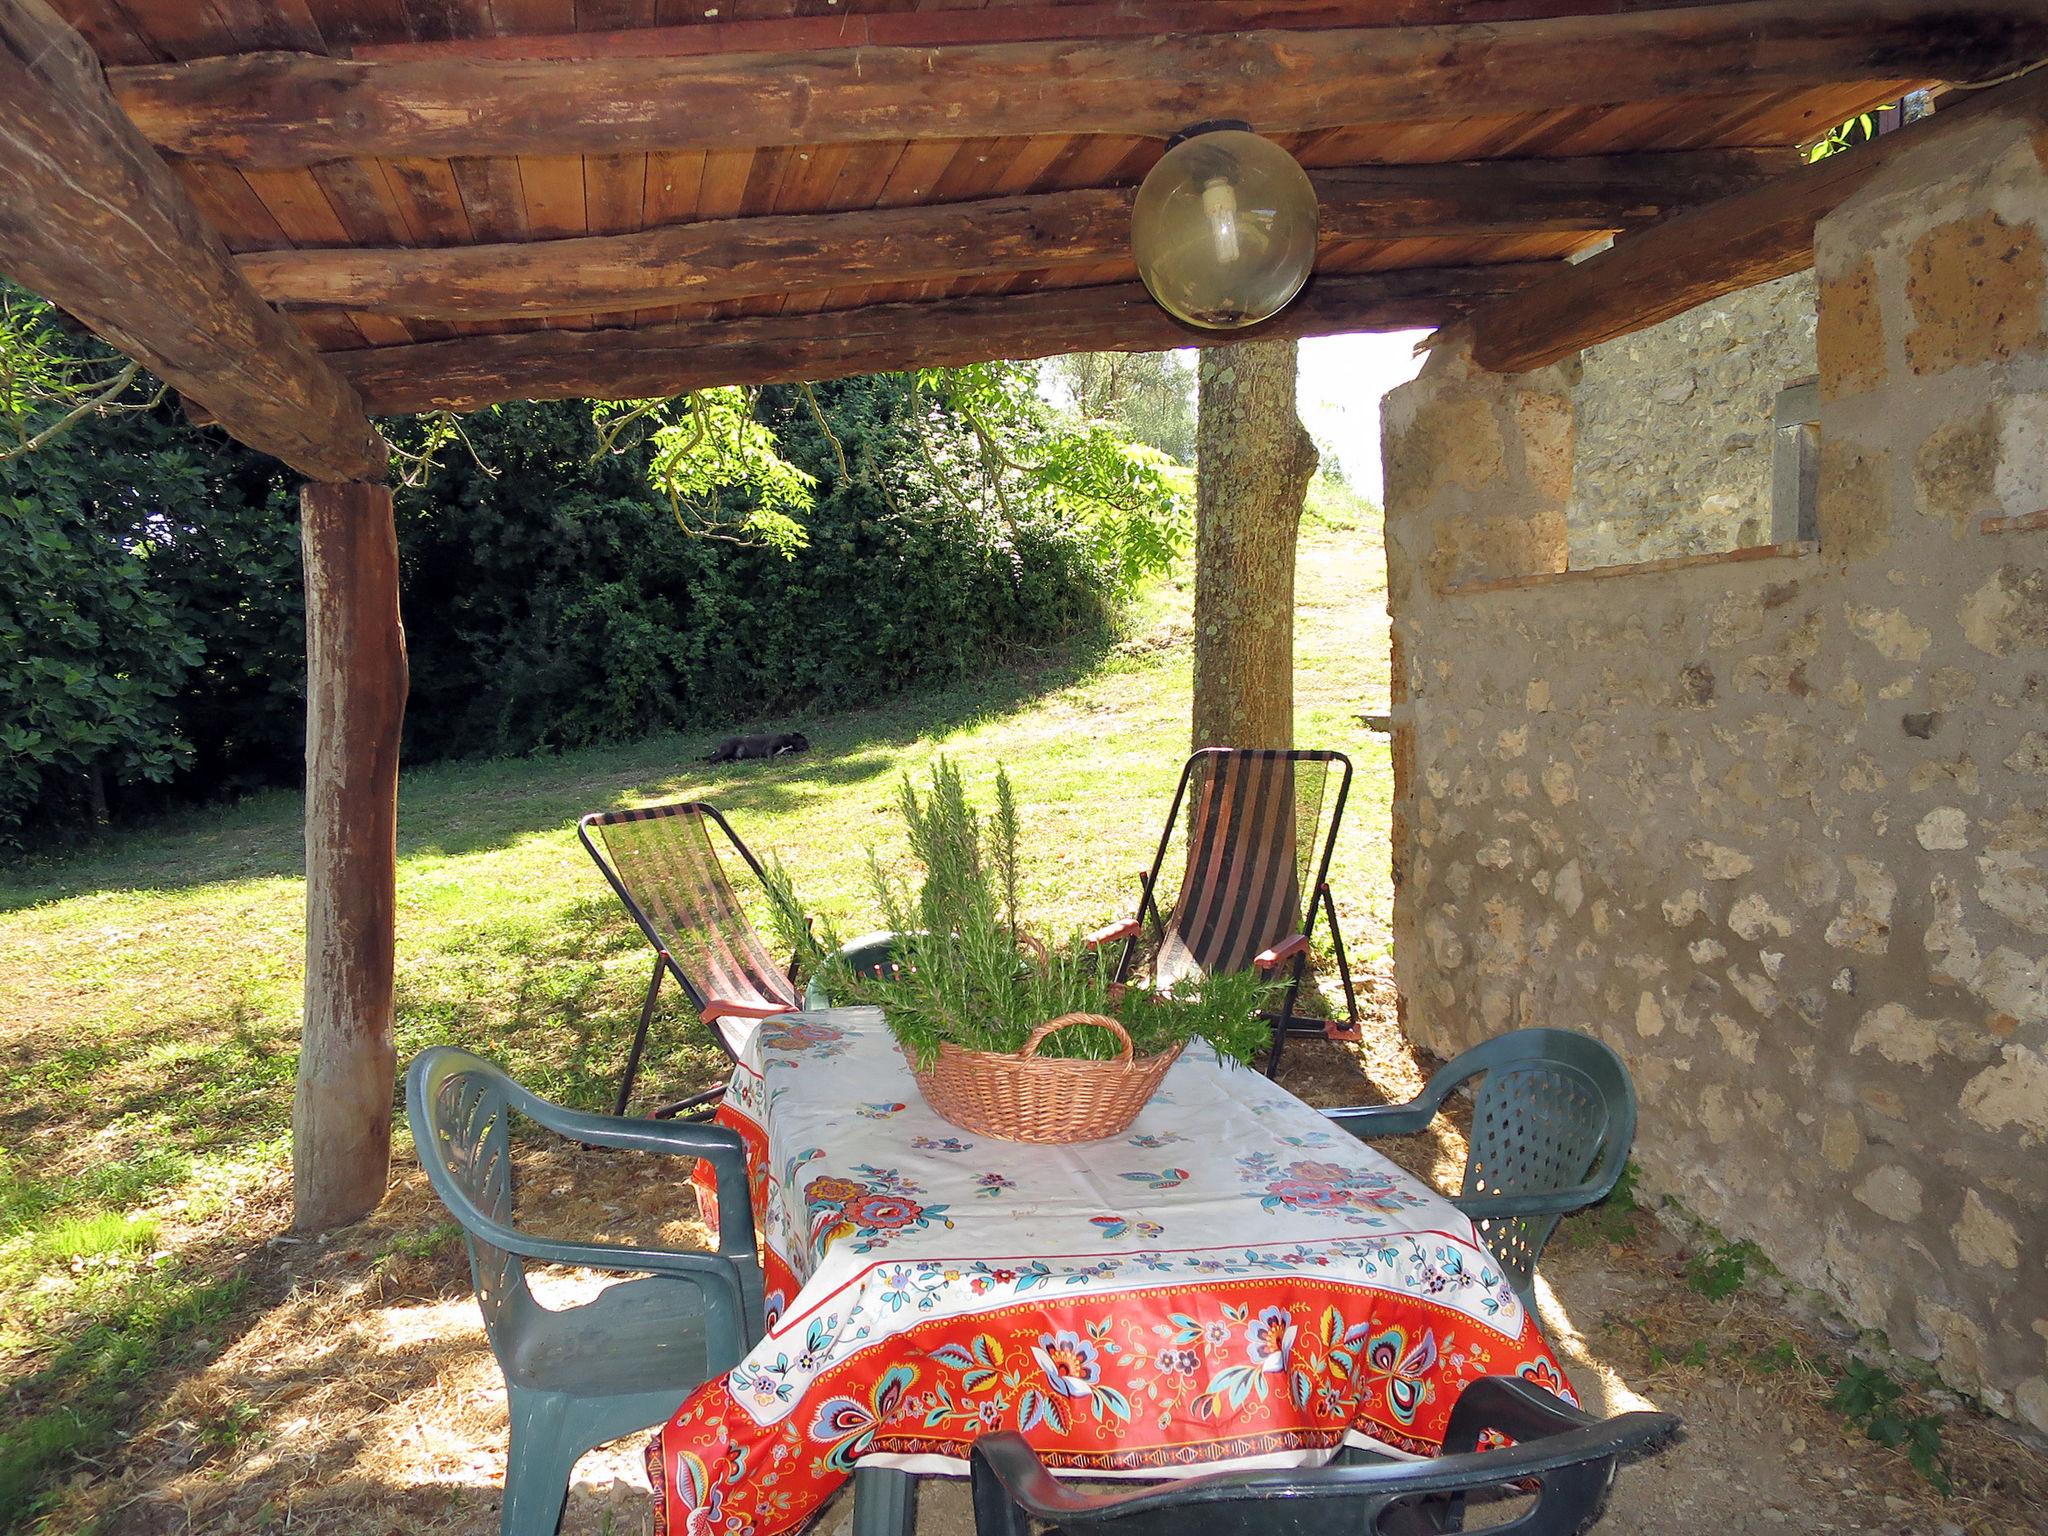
{"x": 1224, "y": 227}
{"x": 1219, "y": 202}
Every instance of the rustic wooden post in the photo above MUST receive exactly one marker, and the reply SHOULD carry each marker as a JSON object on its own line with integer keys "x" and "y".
{"x": 355, "y": 703}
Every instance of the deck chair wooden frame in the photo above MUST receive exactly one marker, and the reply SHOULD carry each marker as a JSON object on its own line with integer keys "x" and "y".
{"x": 1267, "y": 933}
{"x": 739, "y": 980}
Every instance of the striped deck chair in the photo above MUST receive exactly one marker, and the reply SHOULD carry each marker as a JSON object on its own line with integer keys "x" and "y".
{"x": 1256, "y": 873}
{"x": 663, "y": 864}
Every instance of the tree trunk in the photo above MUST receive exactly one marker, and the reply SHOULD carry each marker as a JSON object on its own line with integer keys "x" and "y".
{"x": 1255, "y": 461}
{"x": 355, "y": 704}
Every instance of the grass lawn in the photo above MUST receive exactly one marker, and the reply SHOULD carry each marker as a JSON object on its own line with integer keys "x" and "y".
{"x": 149, "y": 990}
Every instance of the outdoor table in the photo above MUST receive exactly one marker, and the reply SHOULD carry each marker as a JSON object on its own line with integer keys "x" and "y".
{"x": 1235, "y": 1282}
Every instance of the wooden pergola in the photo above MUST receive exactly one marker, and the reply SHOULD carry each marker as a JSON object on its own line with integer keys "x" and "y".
{"x": 305, "y": 213}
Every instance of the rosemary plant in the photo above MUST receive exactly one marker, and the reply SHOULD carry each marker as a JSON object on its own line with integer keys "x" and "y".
{"x": 965, "y": 979}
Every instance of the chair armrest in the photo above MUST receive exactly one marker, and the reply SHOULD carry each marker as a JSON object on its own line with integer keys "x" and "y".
{"x": 1511, "y": 1406}
{"x": 1572, "y": 1461}
{"x": 1015, "y": 1466}
{"x": 676, "y": 1138}
{"x": 718, "y": 1145}
{"x": 1125, "y": 929}
{"x": 1272, "y": 959}
{"x": 1366, "y": 1121}
{"x": 723, "y": 1270}
{"x": 726, "y": 1008}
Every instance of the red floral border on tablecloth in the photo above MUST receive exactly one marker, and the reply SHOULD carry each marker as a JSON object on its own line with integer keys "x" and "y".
{"x": 1161, "y": 1377}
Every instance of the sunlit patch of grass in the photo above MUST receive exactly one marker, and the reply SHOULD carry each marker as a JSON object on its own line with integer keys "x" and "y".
{"x": 84, "y": 1240}
{"x": 25, "y": 1196}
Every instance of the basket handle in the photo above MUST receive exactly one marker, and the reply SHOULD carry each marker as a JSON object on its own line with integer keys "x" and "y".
{"x": 1099, "y": 1020}
{"x": 1040, "y": 955}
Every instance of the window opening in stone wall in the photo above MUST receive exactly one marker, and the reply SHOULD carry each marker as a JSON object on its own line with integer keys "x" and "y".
{"x": 1698, "y": 437}
{"x": 1795, "y": 464}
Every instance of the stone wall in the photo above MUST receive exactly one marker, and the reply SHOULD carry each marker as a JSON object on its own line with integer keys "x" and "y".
{"x": 1675, "y": 428}
{"x": 1777, "y": 827}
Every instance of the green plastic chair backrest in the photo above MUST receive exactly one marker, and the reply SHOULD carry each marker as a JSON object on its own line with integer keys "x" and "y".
{"x": 1555, "y": 1110}
{"x": 461, "y": 1109}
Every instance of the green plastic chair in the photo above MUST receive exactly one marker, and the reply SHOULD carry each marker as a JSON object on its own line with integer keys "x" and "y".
{"x": 1565, "y": 1458}
{"x": 622, "y": 1362}
{"x": 1552, "y": 1125}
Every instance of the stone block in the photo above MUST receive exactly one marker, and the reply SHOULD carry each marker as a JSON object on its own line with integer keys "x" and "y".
{"x": 1983, "y": 1237}
{"x": 1892, "y": 1192}
{"x": 1853, "y": 505}
{"x": 1849, "y": 336}
{"x": 1973, "y": 289}
{"x": 1955, "y": 473}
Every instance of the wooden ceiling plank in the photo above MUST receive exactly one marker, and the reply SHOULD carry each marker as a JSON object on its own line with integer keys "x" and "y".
{"x": 231, "y": 206}
{"x": 667, "y": 360}
{"x": 613, "y": 15}
{"x": 745, "y": 257}
{"x": 92, "y": 219}
{"x": 435, "y": 21}
{"x": 555, "y": 209}
{"x": 1091, "y": 160}
{"x": 972, "y": 170}
{"x": 674, "y": 183}
{"x": 916, "y": 171}
{"x": 281, "y": 109}
{"x": 764, "y": 180}
{"x": 493, "y": 196}
{"x": 113, "y": 34}
{"x": 862, "y": 178}
{"x": 724, "y": 187}
{"x": 429, "y": 200}
{"x": 361, "y": 196}
{"x": 614, "y": 203}
{"x": 352, "y": 23}
{"x": 1705, "y": 252}
{"x": 810, "y": 186}
{"x": 263, "y": 24}
{"x": 1029, "y": 163}
{"x": 514, "y": 19}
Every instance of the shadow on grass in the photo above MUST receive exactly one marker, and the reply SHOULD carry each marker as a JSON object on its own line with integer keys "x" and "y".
{"x": 457, "y": 808}
{"x": 146, "y": 1327}
{"x": 130, "y": 1327}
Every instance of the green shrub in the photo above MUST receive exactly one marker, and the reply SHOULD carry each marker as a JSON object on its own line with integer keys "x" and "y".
{"x": 95, "y": 657}
{"x": 151, "y": 609}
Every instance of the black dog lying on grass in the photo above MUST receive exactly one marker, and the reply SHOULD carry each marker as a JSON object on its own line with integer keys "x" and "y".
{"x": 766, "y": 744}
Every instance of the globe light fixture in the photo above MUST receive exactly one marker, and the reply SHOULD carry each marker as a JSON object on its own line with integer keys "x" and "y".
{"x": 1224, "y": 228}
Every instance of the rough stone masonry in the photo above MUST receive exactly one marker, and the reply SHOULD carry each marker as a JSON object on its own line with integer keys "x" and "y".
{"x": 1774, "y": 824}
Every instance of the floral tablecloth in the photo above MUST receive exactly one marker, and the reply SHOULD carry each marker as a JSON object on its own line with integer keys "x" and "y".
{"x": 1235, "y": 1282}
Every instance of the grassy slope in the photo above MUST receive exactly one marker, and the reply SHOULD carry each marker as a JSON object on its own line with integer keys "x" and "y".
{"x": 149, "y": 989}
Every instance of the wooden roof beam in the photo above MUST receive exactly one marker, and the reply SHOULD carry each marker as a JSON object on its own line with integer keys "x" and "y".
{"x": 718, "y": 259}
{"x": 467, "y": 372}
{"x": 1004, "y": 23}
{"x": 1706, "y": 252}
{"x": 91, "y": 219}
{"x": 275, "y": 110}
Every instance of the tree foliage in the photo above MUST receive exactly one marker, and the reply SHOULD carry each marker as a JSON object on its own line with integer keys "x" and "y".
{"x": 571, "y": 573}
{"x": 716, "y": 464}
{"x": 1148, "y": 397}
{"x": 988, "y": 430}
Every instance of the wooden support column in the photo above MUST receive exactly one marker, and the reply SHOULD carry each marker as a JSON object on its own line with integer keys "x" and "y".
{"x": 355, "y": 704}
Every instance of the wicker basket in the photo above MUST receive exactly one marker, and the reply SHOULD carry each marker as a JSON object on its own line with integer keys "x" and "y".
{"x": 1028, "y": 1097}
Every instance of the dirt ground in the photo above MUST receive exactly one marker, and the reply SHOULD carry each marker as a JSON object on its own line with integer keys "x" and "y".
{"x": 355, "y": 1393}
